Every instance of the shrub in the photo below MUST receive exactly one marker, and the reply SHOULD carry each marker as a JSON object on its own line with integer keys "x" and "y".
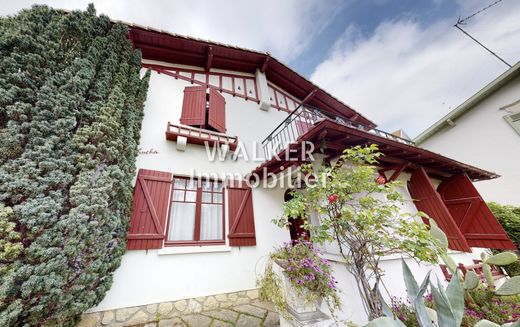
{"x": 306, "y": 270}
{"x": 363, "y": 217}
{"x": 509, "y": 218}
{"x": 71, "y": 101}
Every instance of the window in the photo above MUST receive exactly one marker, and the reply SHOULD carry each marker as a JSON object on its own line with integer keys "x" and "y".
{"x": 514, "y": 121}
{"x": 196, "y": 212}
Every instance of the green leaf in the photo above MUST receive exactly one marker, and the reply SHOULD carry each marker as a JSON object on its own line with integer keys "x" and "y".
{"x": 455, "y": 294}
{"x": 385, "y": 322}
{"x": 386, "y": 309}
{"x": 486, "y": 323}
{"x": 502, "y": 259}
{"x": 438, "y": 235}
{"x": 415, "y": 294}
{"x": 412, "y": 288}
{"x": 452, "y": 266}
{"x": 444, "y": 310}
{"x": 510, "y": 287}
{"x": 433, "y": 316}
{"x": 471, "y": 280}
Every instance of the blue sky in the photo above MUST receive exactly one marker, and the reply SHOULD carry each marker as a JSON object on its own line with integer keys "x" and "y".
{"x": 401, "y": 63}
{"x": 367, "y": 15}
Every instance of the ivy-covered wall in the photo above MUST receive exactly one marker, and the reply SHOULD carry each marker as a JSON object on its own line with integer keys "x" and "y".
{"x": 71, "y": 101}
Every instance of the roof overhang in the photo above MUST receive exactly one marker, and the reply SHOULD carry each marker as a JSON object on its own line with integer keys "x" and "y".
{"x": 470, "y": 103}
{"x": 334, "y": 138}
{"x": 177, "y": 49}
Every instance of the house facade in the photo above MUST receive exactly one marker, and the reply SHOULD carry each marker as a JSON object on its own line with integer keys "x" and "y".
{"x": 485, "y": 131}
{"x": 199, "y": 246}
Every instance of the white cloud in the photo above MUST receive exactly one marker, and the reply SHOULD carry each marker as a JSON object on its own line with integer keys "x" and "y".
{"x": 405, "y": 75}
{"x": 285, "y": 28}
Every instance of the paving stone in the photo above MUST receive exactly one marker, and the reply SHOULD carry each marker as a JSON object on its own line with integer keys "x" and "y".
{"x": 197, "y": 320}
{"x": 272, "y": 320}
{"x": 140, "y": 317}
{"x": 247, "y": 321}
{"x": 252, "y": 310}
{"x": 221, "y": 297}
{"x": 223, "y": 314}
{"x": 175, "y": 322}
{"x": 152, "y": 324}
{"x": 151, "y": 308}
{"x": 125, "y": 313}
{"x": 242, "y": 300}
{"x": 181, "y": 305}
{"x": 219, "y": 323}
{"x": 89, "y": 320}
{"x": 210, "y": 304}
{"x": 252, "y": 294}
{"x": 193, "y": 307}
{"x": 232, "y": 297}
{"x": 164, "y": 309}
{"x": 108, "y": 317}
{"x": 264, "y": 304}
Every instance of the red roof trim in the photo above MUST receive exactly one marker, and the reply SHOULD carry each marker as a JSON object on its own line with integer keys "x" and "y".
{"x": 395, "y": 152}
{"x": 174, "y": 48}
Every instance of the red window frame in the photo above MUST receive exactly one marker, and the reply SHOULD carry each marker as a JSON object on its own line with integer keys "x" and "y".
{"x": 198, "y": 208}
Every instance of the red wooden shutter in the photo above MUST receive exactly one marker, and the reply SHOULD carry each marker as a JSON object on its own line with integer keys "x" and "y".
{"x": 149, "y": 210}
{"x": 194, "y": 106}
{"x": 472, "y": 215}
{"x": 427, "y": 199}
{"x": 241, "y": 217}
{"x": 217, "y": 111}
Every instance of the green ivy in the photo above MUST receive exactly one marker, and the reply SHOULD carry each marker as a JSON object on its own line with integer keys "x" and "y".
{"x": 71, "y": 101}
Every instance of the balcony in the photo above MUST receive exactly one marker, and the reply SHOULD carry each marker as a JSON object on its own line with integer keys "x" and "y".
{"x": 200, "y": 136}
{"x": 303, "y": 119}
{"x": 332, "y": 134}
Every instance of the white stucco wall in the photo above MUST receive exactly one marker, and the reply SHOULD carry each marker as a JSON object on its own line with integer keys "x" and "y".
{"x": 482, "y": 137}
{"x": 151, "y": 276}
{"x": 154, "y": 276}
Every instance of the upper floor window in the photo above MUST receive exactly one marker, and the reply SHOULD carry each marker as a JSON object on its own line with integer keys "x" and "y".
{"x": 204, "y": 110}
{"x": 197, "y": 212}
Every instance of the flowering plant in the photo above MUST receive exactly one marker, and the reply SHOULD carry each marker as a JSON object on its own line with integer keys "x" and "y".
{"x": 309, "y": 273}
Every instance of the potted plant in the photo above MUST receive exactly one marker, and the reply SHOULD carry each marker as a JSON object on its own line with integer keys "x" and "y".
{"x": 297, "y": 279}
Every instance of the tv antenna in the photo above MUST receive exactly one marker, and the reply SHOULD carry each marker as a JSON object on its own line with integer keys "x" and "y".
{"x": 462, "y": 21}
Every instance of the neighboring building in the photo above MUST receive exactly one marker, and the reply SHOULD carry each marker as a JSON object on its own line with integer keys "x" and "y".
{"x": 199, "y": 242}
{"x": 485, "y": 131}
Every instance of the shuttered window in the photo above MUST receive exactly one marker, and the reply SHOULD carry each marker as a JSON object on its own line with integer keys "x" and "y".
{"x": 203, "y": 110}
{"x": 194, "y": 106}
{"x": 472, "y": 215}
{"x": 427, "y": 199}
{"x": 514, "y": 121}
{"x": 149, "y": 210}
{"x": 217, "y": 111}
{"x": 196, "y": 213}
{"x": 241, "y": 215}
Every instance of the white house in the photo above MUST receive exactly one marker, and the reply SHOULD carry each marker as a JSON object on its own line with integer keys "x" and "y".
{"x": 485, "y": 131}
{"x": 193, "y": 248}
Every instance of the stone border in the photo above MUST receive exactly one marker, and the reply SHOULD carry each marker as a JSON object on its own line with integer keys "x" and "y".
{"x": 155, "y": 312}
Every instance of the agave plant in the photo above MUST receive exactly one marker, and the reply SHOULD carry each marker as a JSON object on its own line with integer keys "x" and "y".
{"x": 471, "y": 281}
{"x": 449, "y": 303}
